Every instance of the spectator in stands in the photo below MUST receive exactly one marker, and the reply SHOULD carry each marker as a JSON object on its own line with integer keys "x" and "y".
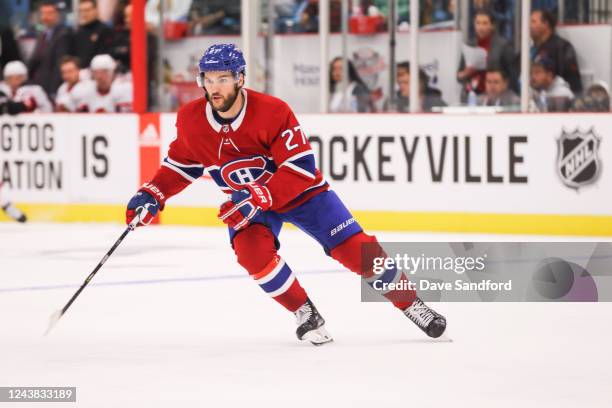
{"x": 547, "y": 44}
{"x": 499, "y": 54}
{"x": 309, "y": 16}
{"x": 436, "y": 11}
{"x": 356, "y": 97}
{"x": 103, "y": 94}
{"x": 428, "y": 97}
{"x": 9, "y": 51}
{"x": 18, "y": 95}
{"x": 497, "y": 90}
{"x": 596, "y": 99}
{"x": 51, "y": 45}
{"x": 93, "y": 37}
{"x": 214, "y": 17}
{"x": 502, "y": 11}
{"x": 121, "y": 47}
{"x": 286, "y": 14}
{"x": 70, "y": 69}
{"x": 550, "y": 92}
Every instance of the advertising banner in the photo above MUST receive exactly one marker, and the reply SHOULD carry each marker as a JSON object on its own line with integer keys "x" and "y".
{"x": 69, "y": 158}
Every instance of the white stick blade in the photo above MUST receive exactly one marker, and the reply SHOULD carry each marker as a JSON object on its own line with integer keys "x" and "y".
{"x": 53, "y": 321}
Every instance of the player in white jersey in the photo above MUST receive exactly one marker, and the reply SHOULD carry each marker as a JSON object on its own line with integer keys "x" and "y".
{"x": 18, "y": 95}
{"x": 103, "y": 93}
{"x": 71, "y": 75}
{"x": 16, "y": 98}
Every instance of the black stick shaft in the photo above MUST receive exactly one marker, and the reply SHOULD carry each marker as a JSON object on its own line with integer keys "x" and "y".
{"x": 91, "y": 275}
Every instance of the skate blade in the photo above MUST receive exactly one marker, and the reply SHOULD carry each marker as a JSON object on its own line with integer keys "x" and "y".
{"x": 318, "y": 337}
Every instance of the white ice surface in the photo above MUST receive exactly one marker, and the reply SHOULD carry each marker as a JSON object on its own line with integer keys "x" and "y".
{"x": 172, "y": 321}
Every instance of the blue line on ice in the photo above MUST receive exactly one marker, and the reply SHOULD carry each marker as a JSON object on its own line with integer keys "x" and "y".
{"x": 152, "y": 281}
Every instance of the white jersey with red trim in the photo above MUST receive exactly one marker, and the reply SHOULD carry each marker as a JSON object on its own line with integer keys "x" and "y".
{"x": 64, "y": 100}
{"x": 27, "y": 94}
{"x": 87, "y": 98}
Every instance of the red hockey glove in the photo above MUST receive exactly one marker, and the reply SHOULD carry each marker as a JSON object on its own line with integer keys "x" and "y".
{"x": 245, "y": 205}
{"x": 30, "y": 104}
{"x": 151, "y": 199}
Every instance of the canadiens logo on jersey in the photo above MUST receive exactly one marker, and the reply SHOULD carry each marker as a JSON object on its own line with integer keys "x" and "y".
{"x": 235, "y": 174}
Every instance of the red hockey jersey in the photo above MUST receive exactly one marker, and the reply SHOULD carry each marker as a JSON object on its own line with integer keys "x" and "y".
{"x": 264, "y": 143}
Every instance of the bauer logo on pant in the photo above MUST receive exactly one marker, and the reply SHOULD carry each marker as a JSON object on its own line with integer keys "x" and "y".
{"x": 578, "y": 162}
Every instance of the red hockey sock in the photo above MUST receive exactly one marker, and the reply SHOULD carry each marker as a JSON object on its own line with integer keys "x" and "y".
{"x": 357, "y": 254}
{"x": 279, "y": 281}
{"x": 256, "y": 252}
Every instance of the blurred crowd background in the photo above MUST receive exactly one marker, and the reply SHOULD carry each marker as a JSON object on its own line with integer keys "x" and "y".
{"x": 74, "y": 56}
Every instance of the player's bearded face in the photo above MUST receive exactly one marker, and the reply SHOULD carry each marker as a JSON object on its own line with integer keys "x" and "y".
{"x": 222, "y": 93}
{"x": 223, "y": 103}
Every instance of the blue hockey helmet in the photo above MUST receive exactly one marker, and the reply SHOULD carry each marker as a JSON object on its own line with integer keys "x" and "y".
{"x": 222, "y": 57}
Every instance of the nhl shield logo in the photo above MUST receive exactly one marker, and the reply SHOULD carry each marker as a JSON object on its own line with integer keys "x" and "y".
{"x": 578, "y": 162}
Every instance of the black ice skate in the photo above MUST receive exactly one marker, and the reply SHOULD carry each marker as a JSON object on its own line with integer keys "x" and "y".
{"x": 432, "y": 323}
{"x": 14, "y": 213}
{"x": 311, "y": 325}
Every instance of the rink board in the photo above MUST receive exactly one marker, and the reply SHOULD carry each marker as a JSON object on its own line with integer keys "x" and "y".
{"x": 464, "y": 173}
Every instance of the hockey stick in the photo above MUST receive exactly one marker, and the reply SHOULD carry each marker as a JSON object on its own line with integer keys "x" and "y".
{"x": 57, "y": 315}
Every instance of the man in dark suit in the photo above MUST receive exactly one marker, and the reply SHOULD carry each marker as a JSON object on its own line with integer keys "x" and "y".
{"x": 93, "y": 37}
{"x": 547, "y": 44}
{"x": 51, "y": 45}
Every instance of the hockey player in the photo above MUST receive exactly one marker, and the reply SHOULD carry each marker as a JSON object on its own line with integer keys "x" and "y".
{"x": 253, "y": 147}
{"x": 70, "y": 69}
{"x": 102, "y": 94}
{"x": 17, "y": 95}
{"x": 9, "y": 209}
